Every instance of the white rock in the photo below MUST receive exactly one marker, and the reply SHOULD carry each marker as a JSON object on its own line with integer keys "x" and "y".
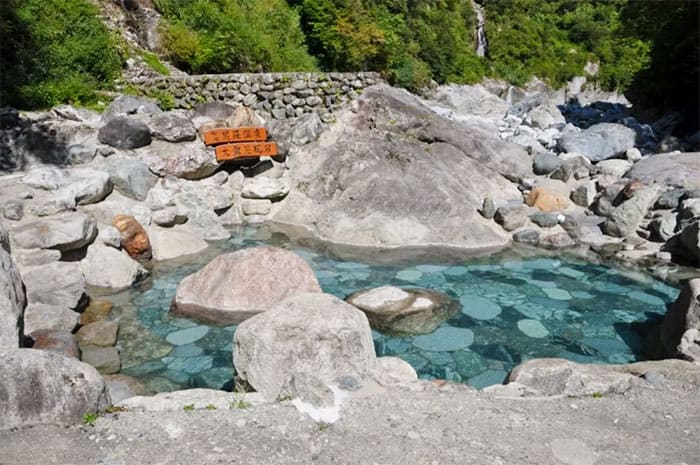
{"x": 170, "y": 243}
{"x": 110, "y": 269}
{"x": 262, "y": 187}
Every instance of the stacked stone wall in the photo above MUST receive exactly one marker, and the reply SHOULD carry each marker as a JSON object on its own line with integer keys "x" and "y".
{"x": 283, "y": 95}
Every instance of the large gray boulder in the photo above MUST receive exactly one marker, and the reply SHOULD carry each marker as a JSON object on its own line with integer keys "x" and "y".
{"x": 109, "y": 269}
{"x": 188, "y": 160}
{"x": 129, "y": 105}
{"x": 43, "y": 317}
{"x": 65, "y": 232}
{"x": 600, "y": 141}
{"x": 12, "y": 302}
{"x": 172, "y": 128}
{"x": 59, "y": 283}
{"x": 130, "y": 177}
{"x": 403, "y": 311}
{"x": 171, "y": 243}
{"x": 625, "y": 218}
{"x": 125, "y": 133}
{"x": 238, "y": 285}
{"x": 78, "y": 186}
{"x": 394, "y": 173}
{"x": 41, "y": 387}
{"x": 680, "y": 170}
{"x": 556, "y": 376}
{"x": 315, "y": 334}
{"x": 680, "y": 330}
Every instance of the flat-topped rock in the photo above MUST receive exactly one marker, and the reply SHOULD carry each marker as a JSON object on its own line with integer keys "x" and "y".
{"x": 680, "y": 170}
{"x": 63, "y": 232}
{"x": 58, "y": 283}
{"x": 238, "y": 285}
{"x": 110, "y": 269}
{"x": 600, "y": 141}
{"x": 403, "y": 311}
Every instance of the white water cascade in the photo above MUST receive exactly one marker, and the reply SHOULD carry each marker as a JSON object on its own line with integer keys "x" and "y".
{"x": 481, "y": 43}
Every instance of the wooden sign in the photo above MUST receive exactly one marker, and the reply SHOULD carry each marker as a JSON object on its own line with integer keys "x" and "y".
{"x": 243, "y": 150}
{"x": 225, "y": 135}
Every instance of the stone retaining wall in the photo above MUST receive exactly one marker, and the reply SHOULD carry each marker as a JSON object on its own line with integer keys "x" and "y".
{"x": 283, "y": 95}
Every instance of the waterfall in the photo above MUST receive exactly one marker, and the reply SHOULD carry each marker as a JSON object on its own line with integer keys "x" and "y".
{"x": 482, "y": 46}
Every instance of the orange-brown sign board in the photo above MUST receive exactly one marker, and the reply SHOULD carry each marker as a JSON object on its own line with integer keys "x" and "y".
{"x": 246, "y": 149}
{"x": 226, "y": 135}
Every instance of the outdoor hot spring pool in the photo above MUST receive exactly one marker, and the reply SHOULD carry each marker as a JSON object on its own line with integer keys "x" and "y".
{"x": 512, "y": 310}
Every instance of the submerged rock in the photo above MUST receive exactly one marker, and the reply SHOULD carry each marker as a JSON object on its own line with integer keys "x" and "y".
{"x": 238, "y": 285}
{"x": 403, "y": 311}
{"x": 314, "y": 334}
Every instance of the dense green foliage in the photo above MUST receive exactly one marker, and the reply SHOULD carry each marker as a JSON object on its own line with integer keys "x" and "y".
{"x": 54, "y": 51}
{"x": 219, "y": 36}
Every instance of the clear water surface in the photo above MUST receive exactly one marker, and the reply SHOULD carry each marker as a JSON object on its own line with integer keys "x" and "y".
{"x": 512, "y": 310}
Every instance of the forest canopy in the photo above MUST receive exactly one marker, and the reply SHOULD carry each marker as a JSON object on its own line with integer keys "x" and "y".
{"x": 649, "y": 48}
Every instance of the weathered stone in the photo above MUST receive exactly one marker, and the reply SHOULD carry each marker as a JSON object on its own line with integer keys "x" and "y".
{"x": 555, "y": 376}
{"x": 13, "y": 210}
{"x": 546, "y": 200}
{"x": 109, "y": 236}
{"x": 315, "y": 334}
{"x": 576, "y": 166}
{"x": 679, "y": 170}
{"x": 238, "y": 285}
{"x": 49, "y": 317}
{"x": 129, "y": 105}
{"x": 614, "y": 167}
{"x": 559, "y": 240}
{"x": 172, "y": 128}
{"x": 173, "y": 243}
{"x": 188, "y": 160}
{"x": 689, "y": 241}
{"x": 488, "y": 208}
{"x": 213, "y": 110}
{"x": 626, "y": 217}
{"x": 262, "y": 187}
{"x": 109, "y": 269}
{"x": 256, "y": 206}
{"x": 527, "y": 236}
{"x": 198, "y": 398}
{"x": 394, "y": 370}
{"x": 545, "y": 220}
{"x": 511, "y": 217}
{"x": 244, "y": 117}
{"x": 60, "y": 342}
{"x": 130, "y": 177}
{"x": 545, "y": 163}
{"x": 62, "y": 389}
{"x": 633, "y": 154}
{"x": 12, "y": 302}
{"x": 65, "y": 232}
{"x": 134, "y": 238}
{"x": 600, "y": 141}
{"x": 105, "y": 359}
{"x": 80, "y": 153}
{"x": 681, "y": 323}
{"x": 584, "y": 194}
{"x": 122, "y": 387}
{"x": 125, "y": 133}
{"x": 58, "y": 283}
{"x": 97, "y": 310}
{"x": 546, "y": 115}
{"x": 403, "y": 311}
{"x": 663, "y": 226}
{"x": 99, "y": 334}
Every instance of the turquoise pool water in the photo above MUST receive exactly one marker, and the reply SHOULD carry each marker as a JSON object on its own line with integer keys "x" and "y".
{"x": 512, "y": 310}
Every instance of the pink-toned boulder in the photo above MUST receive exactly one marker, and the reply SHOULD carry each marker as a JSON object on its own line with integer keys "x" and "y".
{"x": 238, "y": 285}
{"x": 61, "y": 342}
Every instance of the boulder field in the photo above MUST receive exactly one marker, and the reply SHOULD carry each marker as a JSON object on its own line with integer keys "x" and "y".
{"x": 92, "y": 203}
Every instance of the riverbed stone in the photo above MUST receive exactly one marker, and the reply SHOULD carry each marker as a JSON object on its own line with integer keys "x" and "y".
{"x": 533, "y": 328}
{"x": 584, "y": 194}
{"x": 263, "y": 187}
{"x": 310, "y": 333}
{"x": 62, "y": 389}
{"x": 97, "y": 310}
{"x": 479, "y": 308}
{"x": 59, "y": 284}
{"x": 125, "y": 133}
{"x": 105, "y": 359}
{"x": 614, "y": 167}
{"x": 600, "y": 141}
{"x": 445, "y": 339}
{"x": 554, "y": 376}
{"x": 109, "y": 269}
{"x": 64, "y": 232}
{"x": 403, "y": 311}
{"x": 125, "y": 105}
{"x": 511, "y": 217}
{"x": 681, "y": 324}
{"x": 58, "y": 341}
{"x": 238, "y": 285}
{"x": 100, "y": 334}
{"x": 679, "y": 170}
{"x": 187, "y": 160}
{"x": 130, "y": 177}
{"x": 172, "y": 127}
{"x": 134, "y": 237}
{"x": 49, "y": 317}
{"x": 187, "y": 336}
{"x": 170, "y": 243}
{"x": 546, "y": 200}
{"x": 625, "y": 218}
{"x": 12, "y": 301}
{"x": 545, "y": 163}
